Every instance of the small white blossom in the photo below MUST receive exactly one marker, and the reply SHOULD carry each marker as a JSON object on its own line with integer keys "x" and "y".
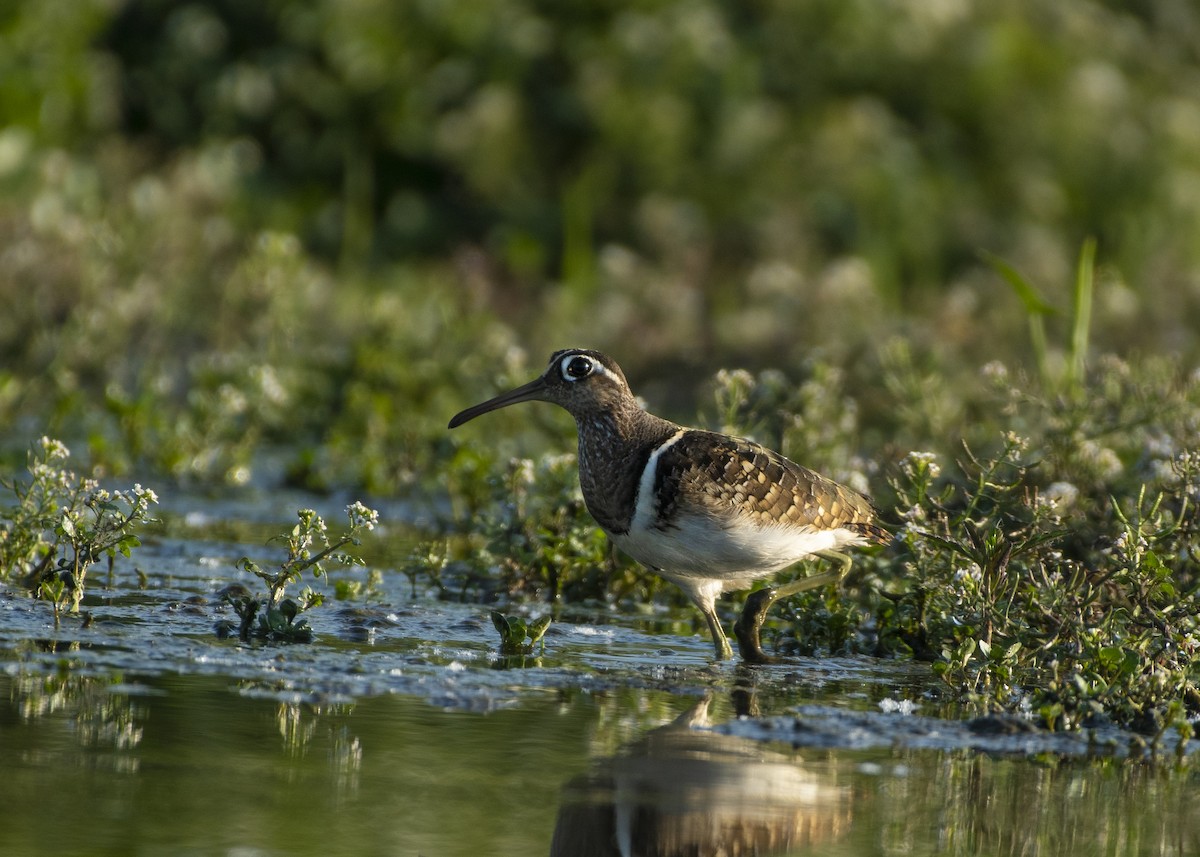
{"x": 1103, "y": 460}
{"x": 522, "y": 471}
{"x": 738, "y": 377}
{"x": 898, "y": 706}
{"x": 971, "y": 572}
{"x": 361, "y": 516}
{"x": 54, "y": 449}
{"x": 920, "y": 462}
{"x": 1015, "y": 442}
{"x": 268, "y": 383}
{"x": 1059, "y": 495}
{"x": 995, "y": 371}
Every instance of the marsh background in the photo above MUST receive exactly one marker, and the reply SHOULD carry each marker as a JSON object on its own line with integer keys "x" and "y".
{"x": 324, "y": 226}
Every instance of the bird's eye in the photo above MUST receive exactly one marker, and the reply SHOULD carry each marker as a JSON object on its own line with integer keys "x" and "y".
{"x": 577, "y": 367}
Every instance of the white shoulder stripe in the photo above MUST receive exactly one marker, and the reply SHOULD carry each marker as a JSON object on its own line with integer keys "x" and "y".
{"x": 643, "y": 504}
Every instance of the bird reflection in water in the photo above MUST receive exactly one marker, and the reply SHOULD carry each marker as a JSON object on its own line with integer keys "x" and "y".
{"x": 682, "y": 790}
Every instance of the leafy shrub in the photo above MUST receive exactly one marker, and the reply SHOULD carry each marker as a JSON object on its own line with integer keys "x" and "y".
{"x": 63, "y": 524}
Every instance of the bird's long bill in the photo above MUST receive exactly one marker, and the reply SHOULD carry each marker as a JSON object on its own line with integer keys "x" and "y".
{"x": 526, "y": 393}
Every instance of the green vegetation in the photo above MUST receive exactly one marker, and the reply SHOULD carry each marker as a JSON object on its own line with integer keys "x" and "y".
{"x": 308, "y": 547}
{"x": 286, "y": 241}
{"x": 1045, "y": 596}
{"x": 518, "y": 637}
{"x": 535, "y": 539}
{"x": 300, "y": 225}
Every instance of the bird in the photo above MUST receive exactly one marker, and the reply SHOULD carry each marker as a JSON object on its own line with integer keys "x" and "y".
{"x": 710, "y": 512}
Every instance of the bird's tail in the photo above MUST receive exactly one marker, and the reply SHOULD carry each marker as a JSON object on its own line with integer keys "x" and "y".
{"x": 873, "y": 533}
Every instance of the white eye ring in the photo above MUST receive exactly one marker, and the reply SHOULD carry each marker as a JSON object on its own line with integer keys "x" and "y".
{"x": 576, "y": 367}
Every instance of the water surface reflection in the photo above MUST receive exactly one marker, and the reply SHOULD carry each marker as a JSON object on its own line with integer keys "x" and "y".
{"x": 148, "y": 765}
{"x": 683, "y": 790}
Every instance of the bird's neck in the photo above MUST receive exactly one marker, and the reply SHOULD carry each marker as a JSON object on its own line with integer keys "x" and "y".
{"x": 614, "y": 447}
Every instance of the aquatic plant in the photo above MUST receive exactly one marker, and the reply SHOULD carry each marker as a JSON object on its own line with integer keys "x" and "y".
{"x": 428, "y": 559}
{"x": 308, "y": 546}
{"x": 518, "y": 637}
{"x": 1049, "y": 563}
{"x": 63, "y": 523}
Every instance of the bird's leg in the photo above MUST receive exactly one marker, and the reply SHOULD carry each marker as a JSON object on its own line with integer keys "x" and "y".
{"x": 748, "y": 627}
{"x": 723, "y": 650}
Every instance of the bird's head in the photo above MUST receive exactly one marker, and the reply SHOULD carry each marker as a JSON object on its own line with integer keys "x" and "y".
{"x": 584, "y": 382}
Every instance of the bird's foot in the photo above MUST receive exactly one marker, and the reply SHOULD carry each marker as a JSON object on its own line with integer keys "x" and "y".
{"x": 748, "y": 627}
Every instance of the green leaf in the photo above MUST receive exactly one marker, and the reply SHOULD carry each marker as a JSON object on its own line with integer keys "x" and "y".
{"x": 1110, "y": 657}
{"x": 52, "y": 589}
{"x": 1051, "y": 713}
{"x": 965, "y": 651}
{"x": 537, "y": 629}
{"x": 1031, "y": 301}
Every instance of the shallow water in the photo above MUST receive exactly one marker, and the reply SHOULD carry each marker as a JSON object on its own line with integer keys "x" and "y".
{"x": 400, "y": 731}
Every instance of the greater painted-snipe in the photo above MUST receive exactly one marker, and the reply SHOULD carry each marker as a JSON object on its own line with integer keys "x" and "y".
{"x": 709, "y": 512}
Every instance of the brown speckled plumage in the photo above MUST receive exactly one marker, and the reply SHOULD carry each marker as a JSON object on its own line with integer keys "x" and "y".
{"x": 759, "y": 484}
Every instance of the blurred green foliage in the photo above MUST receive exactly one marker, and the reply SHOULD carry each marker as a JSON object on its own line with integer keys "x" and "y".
{"x": 697, "y": 179}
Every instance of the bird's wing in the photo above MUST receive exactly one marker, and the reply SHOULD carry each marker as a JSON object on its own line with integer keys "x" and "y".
{"x": 731, "y": 476}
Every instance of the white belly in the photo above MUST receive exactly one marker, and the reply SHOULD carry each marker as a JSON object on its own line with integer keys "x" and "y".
{"x": 730, "y": 552}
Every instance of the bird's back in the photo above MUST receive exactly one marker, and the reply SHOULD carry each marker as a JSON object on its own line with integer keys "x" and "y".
{"x": 738, "y": 477}
{"x": 723, "y": 507}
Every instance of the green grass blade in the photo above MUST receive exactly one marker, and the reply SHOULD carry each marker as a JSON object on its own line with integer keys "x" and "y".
{"x": 1036, "y": 309}
{"x": 1081, "y": 326}
{"x": 1030, "y": 299}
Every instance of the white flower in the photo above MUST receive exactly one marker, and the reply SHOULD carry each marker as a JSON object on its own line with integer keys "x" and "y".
{"x": 921, "y": 462}
{"x": 1015, "y": 442}
{"x": 522, "y": 470}
{"x": 995, "y": 371}
{"x": 145, "y": 494}
{"x": 361, "y": 516}
{"x": 1103, "y": 460}
{"x": 1059, "y": 495}
{"x": 54, "y": 449}
{"x": 972, "y": 573}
